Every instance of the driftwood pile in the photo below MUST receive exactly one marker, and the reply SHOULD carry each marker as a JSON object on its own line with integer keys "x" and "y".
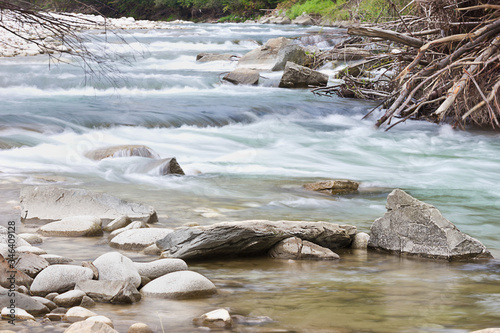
{"x": 441, "y": 64}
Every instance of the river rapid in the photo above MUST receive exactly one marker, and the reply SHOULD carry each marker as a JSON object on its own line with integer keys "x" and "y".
{"x": 246, "y": 152}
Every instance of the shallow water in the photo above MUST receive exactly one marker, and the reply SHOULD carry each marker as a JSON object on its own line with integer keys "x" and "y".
{"x": 247, "y": 151}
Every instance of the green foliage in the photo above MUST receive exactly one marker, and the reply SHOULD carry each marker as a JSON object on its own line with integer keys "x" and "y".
{"x": 320, "y": 7}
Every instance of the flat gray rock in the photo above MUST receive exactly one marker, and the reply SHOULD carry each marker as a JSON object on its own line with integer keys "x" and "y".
{"x": 157, "y": 268}
{"x": 54, "y": 259}
{"x": 413, "y": 227}
{"x": 74, "y": 226}
{"x": 30, "y": 304}
{"x": 183, "y": 284}
{"x": 110, "y": 291}
{"x": 69, "y": 298}
{"x": 296, "y": 76}
{"x": 55, "y": 203}
{"x": 31, "y": 264}
{"x": 138, "y": 239}
{"x": 115, "y": 266}
{"x": 244, "y": 76}
{"x": 59, "y": 278}
{"x": 250, "y": 238}
{"x": 119, "y": 222}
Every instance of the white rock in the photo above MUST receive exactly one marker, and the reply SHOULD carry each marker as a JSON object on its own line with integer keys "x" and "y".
{"x": 31, "y": 238}
{"x": 138, "y": 239}
{"x": 139, "y": 328}
{"x": 90, "y": 327}
{"x": 85, "y": 225}
{"x": 78, "y": 313}
{"x": 182, "y": 284}
{"x": 19, "y": 314}
{"x": 360, "y": 241}
{"x": 101, "y": 319}
{"x": 219, "y": 318}
{"x": 55, "y": 259}
{"x": 131, "y": 226}
{"x": 30, "y": 249}
{"x": 115, "y": 266}
{"x": 157, "y": 268}
{"x": 59, "y": 278}
{"x": 117, "y": 223}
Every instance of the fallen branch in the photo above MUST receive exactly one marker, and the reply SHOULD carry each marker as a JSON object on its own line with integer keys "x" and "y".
{"x": 385, "y": 34}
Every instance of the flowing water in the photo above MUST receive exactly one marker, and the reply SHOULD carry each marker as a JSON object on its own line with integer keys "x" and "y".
{"x": 246, "y": 152}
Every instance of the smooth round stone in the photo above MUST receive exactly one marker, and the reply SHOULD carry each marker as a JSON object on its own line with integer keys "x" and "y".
{"x": 182, "y": 284}
{"x": 140, "y": 328}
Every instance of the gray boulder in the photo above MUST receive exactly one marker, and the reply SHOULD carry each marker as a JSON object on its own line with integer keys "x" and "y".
{"x": 296, "y": 248}
{"x": 273, "y": 55}
{"x": 73, "y": 226}
{"x": 31, "y": 264}
{"x": 122, "y": 151}
{"x": 296, "y": 76}
{"x": 59, "y": 278}
{"x": 70, "y": 298}
{"x": 244, "y": 76}
{"x": 9, "y": 275}
{"x": 413, "y": 227}
{"x": 138, "y": 239}
{"x": 110, "y": 291}
{"x": 182, "y": 284}
{"x": 334, "y": 187}
{"x": 48, "y": 303}
{"x": 115, "y": 266}
{"x": 250, "y": 238}
{"x": 207, "y": 57}
{"x": 303, "y": 19}
{"x": 54, "y": 203}
{"x": 30, "y": 304}
{"x": 157, "y": 268}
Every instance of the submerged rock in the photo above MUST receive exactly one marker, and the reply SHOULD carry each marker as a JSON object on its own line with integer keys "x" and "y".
{"x": 207, "y": 57}
{"x": 296, "y": 248}
{"x": 163, "y": 167}
{"x": 413, "y": 227}
{"x": 334, "y": 187}
{"x": 122, "y": 151}
{"x": 55, "y": 203}
{"x": 296, "y": 76}
{"x": 217, "y": 319}
{"x": 182, "y": 284}
{"x": 273, "y": 55}
{"x": 250, "y": 238}
{"x": 73, "y": 226}
{"x": 244, "y": 76}
{"x": 59, "y": 278}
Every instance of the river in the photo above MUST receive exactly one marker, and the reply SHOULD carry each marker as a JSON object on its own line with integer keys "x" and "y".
{"x": 246, "y": 152}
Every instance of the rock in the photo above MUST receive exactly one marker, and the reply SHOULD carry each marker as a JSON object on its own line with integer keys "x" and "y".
{"x": 73, "y": 226}
{"x": 55, "y": 259}
{"x": 152, "y": 249}
{"x": 182, "y": 284}
{"x": 334, "y": 187}
{"x": 90, "y": 327}
{"x": 69, "y": 298}
{"x": 31, "y": 238}
{"x": 121, "y": 151}
{"x": 163, "y": 167}
{"x": 138, "y": 239}
{"x": 77, "y": 313}
{"x": 30, "y": 249}
{"x": 57, "y": 314}
{"x": 206, "y": 57}
{"x": 250, "y": 238}
{"x": 144, "y": 281}
{"x": 160, "y": 267}
{"x": 360, "y": 241}
{"x": 51, "y": 296}
{"x": 117, "y": 223}
{"x": 31, "y": 264}
{"x": 488, "y": 330}
{"x": 11, "y": 238}
{"x": 94, "y": 269}
{"x": 303, "y": 19}
{"x": 59, "y": 278}
{"x": 87, "y": 302}
{"x": 133, "y": 225}
{"x": 23, "y": 290}
{"x": 273, "y": 55}
{"x": 54, "y": 203}
{"x": 101, "y": 319}
{"x": 115, "y": 266}
{"x": 244, "y": 76}
{"x": 17, "y": 313}
{"x": 348, "y": 53}
{"x": 110, "y": 291}
{"x": 296, "y": 248}
{"x": 48, "y": 303}
{"x": 217, "y": 319}
{"x": 281, "y": 20}
{"x": 140, "y": 328}
{"x": 413, "y": 227}
{"x": 29, "y": 304}
{"x": 10, "y": 275}
{"x": 296, "y": 76}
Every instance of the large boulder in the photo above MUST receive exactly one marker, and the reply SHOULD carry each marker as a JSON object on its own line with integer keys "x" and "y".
{"x": 73, "y": 226}
{"x": 413, "y": 227}
{"x": 121, "y": 151}
{"x": 273, "y": 55}
{"x": 157, "y": 268}
{"x": 59, "y": 278}
{"x": 115, "y": 266}
{"x": 182, "y": 284}
{"x": 296, "y": 76}
{"x": 244, "y": 76}
{"x": 110, "y": 291}
{"x": 207, "y": 57}
{"x": 250, "y": 238}
{"x": 138, "y": 239}
{"x": 296, "y": 248}
{"x": 54, "y": 203}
